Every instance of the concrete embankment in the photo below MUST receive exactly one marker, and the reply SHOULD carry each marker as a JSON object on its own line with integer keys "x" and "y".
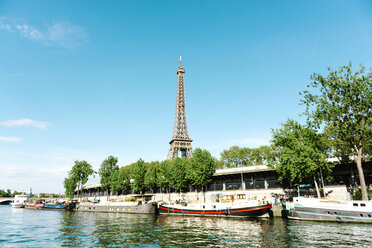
{"x": 147, "y": 208}
{"x": 277, "y": 210}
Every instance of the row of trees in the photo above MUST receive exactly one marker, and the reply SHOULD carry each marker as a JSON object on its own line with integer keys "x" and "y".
{"x": 141, "y": 176}
{"x": 177, "y": 174}
{"x": 6, "y": 194}
{"x": 237, "y": 156}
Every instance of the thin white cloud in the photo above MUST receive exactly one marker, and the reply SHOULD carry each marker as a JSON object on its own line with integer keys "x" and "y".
{"x": 29, "y": 32}
{"x": 249, "y": 142}
{"x": 11, "y": 139}
{"x": 66, "y": 35}
{"x": 26, "y": 123}
{"x": 3, "y": 154}
{"x": 59, "y": 33}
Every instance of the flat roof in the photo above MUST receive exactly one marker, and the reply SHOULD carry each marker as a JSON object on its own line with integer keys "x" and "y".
{"x": 237, "y": 170}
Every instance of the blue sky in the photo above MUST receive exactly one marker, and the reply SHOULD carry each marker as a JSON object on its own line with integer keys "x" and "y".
{"x": 82, "y": 80}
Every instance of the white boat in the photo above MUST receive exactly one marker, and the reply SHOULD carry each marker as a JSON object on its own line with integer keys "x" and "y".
{"x": 20, "y": 201}
{"x": 323, "y": 209}
{"x": 234, "y": 205}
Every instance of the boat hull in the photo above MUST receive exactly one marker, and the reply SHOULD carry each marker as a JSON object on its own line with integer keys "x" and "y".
{"x": 253, "y": 211}
{"x": 54, "y": 206}
{"x": 17, "y": 205}
{"x": 327, "y": 214}
{"x": 34, "y": 206}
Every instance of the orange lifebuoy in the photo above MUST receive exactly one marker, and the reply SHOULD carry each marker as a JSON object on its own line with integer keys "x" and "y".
{"x": 259, "y": 202}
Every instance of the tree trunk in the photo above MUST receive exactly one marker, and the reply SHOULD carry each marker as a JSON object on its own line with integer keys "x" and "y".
{"x": 358, "y": 160}
{"x": 78, "y": 195}
{"x": 316, "y": 187}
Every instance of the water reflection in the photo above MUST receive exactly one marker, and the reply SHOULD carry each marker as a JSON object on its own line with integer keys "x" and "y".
{"x": 222, "y": 232}
{"x": 28, "y": 228}
{"x": 86, "y": 229}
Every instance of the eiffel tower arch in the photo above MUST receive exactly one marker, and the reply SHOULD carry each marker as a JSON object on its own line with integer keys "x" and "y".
{"x": 180, "y": 145}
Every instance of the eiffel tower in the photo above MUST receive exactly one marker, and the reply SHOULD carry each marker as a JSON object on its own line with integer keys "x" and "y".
{"x": 180, "y": 145}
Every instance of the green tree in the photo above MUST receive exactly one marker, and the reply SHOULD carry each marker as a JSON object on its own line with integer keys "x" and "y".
{"x": 343, "y": 99}
{"x": 163, "y": 175}
{"x": 336, "y": 147}
{"x": 120, "y": 180}
{"x": 138, "y": 174}
{"x": 108, "y": 167}
{"x": 151, "y": 177}
{"x": 300, "y": 152}
{"x": 4, "y": 194}
{"x": 201, "y": 169}
{"x": 70, "y": 186}
{"x": 235, "y": 156}
{"x": 178, "y": 178}
{"x": 80, "y": 173}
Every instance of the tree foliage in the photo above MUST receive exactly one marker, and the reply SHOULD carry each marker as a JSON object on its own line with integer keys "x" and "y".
{"x": 108, "y": 168}
{"x": 164, "y": 174}
{"x": 237, "y": 156}
{"x": 80, "y": 173}
{"x": 70, "y": 186}
{"x": 343, "y": 99}
{"x": 178, "y": 176}
{"x": 300, "y": 153}
{"x": 120, "y": 180}
{"x": 138, "y": 175}
{"x": 151, "y": 177}
{"x": 201, "y": 169}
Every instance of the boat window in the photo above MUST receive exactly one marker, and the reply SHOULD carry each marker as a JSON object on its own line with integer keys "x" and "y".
{"x": 361, "y": 215}
{"x": 355, "y": 204}
{"x": 328, "y": 212}
{"x": 369, "y": 216}
{"x": 214, "y": 206}
{"x": 203, "y": 206}
{"x": 335, "y": 213}
{"x": 241, "y": 196}
{"x": 362, "y": 204}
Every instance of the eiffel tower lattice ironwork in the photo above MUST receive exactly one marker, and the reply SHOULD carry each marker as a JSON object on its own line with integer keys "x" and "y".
{"x": 180, "y": 145}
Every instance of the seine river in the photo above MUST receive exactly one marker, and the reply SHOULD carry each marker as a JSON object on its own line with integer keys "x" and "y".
{"x": 36, "y": 228}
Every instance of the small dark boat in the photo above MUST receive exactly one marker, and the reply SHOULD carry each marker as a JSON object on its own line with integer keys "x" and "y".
{"x": 230, "y": 207}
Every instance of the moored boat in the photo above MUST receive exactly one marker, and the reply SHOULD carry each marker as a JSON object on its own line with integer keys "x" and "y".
{"x": 321, "y": 209}
{"x": 69, "y": 205}
{"x": 230, "y": 206}
{"x": 20, "y": 201}
{"x": 55, "y": 206}
{"x": 34, "y": 205}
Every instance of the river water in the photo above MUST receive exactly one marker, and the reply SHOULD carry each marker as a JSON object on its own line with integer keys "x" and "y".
{"x": 38, "y": 228}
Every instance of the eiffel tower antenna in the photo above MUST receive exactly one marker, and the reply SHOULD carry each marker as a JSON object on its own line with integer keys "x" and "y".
{"x": 180, "y": 145}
